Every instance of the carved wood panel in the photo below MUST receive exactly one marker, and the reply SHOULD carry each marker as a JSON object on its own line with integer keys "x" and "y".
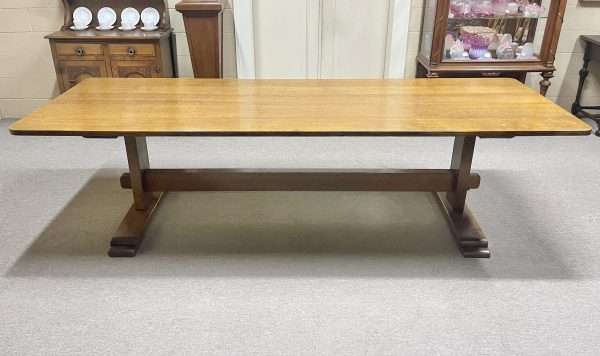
{"x": 134, "y": 69}
{"x": 73, "y": 72}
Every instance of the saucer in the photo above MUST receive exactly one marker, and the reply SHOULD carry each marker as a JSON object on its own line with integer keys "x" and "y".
{"x": 126, "y": 29}
{"x": 104, "y": 28}
{"x": 78, "y": 29}
{"x": 149, "y": 29}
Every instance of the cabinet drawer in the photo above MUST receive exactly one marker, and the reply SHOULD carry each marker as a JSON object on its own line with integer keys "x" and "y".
{"x": 79, "y": 49}
{"x": 131, "y": 50}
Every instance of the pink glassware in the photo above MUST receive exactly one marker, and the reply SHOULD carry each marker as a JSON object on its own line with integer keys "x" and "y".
{"x": 482, "y": 9}
{"x": 533, "y": 10}
{"x": 512, "y": 9}
{"x": 499, "y": 7}
{"x": 477, "y": 52}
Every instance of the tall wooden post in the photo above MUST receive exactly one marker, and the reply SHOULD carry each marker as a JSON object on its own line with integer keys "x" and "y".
{"x": 203, "y": 21}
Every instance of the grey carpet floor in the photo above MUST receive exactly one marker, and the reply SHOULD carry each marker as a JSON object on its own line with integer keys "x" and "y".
{"x": 299, "y": 273}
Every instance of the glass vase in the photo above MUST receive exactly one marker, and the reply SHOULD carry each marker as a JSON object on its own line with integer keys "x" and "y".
{"x": 477, "y": 52}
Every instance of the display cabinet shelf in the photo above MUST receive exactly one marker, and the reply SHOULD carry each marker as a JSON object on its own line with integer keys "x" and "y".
{"x": 474, "y": 38}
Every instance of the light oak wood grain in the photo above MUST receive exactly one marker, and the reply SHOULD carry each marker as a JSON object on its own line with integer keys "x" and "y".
{"x": 217, "y": 107}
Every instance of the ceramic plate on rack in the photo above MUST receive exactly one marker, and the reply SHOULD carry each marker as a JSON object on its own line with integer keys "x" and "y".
{"x": 149, "y": 29}
{"x": 107, "y": 16}
{"x": 82, "y": 15}
{"x": 150, "y": 16}
{"x": 78, "y": 29}
{"x": 104, "y": 28}
{"x": 126, "y": 29}
{"x": 130, "y": 15}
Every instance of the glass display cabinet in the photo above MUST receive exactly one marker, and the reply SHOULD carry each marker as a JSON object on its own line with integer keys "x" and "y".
{"x": 493, "y": 38}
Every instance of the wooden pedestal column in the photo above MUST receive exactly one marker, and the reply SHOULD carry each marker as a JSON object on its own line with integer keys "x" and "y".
{"x": 203, "y": 21}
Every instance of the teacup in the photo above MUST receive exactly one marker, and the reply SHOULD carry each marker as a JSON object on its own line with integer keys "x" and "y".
{"x": 127, "y": 25}
{"x": 104, "y": 25}
{"x": 79, "y": 24}
{"x": 149, "y": 26}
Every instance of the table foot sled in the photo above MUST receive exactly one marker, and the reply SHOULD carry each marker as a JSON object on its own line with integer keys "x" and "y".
{"x": 149, "y": 186}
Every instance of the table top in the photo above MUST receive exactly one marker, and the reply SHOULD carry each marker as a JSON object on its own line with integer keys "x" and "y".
{"x": 230, "y": 107}
{"x": 595, "y": 39}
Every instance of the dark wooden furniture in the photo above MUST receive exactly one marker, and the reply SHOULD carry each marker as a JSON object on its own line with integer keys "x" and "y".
{"x": 592, "y": 53}
{"x": 91, "y": 53}
{"x": 219, "y": 107}
{"x": 203, "y": 21}
{"x": 433, "y": 59}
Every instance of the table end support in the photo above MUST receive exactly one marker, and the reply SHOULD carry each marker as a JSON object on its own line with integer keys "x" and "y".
{"x": 468, "y": 235}
{"x": 130, "y": 233}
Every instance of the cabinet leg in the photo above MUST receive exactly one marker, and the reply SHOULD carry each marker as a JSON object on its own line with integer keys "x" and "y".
{"x": 421, "y": 71}
{"x": 545, "y": 83}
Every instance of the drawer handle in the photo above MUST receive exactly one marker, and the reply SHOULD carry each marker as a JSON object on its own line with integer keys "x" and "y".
{"x": 131, "y": 51}
{"x": 79, "y": 51}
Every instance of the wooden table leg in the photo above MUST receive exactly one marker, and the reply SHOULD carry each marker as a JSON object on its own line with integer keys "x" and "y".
{"x": 468, "y": 235}
{"x": 130, "y": 233}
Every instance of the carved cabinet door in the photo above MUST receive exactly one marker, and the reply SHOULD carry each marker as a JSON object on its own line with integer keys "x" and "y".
{"x": 73, "y": 72}
{"x": 135, "y": 69}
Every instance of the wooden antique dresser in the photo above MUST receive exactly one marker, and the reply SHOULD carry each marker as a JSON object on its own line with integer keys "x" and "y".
{"x": 91, "y": 53}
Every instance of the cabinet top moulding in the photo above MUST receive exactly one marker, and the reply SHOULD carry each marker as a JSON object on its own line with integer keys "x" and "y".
{"x": 200, "y": 7}
{"x": 65, "y": 33}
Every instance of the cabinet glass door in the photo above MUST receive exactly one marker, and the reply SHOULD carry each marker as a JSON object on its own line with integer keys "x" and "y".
{"x": 495, "y": 30}
{"x": 427, "y": 29}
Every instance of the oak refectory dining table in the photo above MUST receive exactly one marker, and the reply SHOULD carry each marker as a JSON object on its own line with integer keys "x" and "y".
{"x": 460, "y": 108}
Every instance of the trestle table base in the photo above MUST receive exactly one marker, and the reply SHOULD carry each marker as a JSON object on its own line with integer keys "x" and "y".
{"x": 149, "y": 185}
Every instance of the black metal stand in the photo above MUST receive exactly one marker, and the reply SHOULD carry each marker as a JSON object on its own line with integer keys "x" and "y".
{"x": 577, "y": 109}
